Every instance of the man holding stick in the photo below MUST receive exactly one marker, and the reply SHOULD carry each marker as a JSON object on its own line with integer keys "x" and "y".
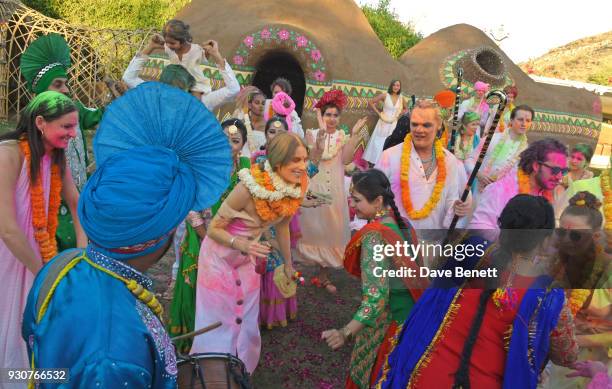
{"x": 425, "y": 176}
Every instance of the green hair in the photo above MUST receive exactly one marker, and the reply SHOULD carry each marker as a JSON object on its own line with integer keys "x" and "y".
{"x": 177, "y": 76}
{"x": 51, "y": 106}
{"x": 583, "y": 149}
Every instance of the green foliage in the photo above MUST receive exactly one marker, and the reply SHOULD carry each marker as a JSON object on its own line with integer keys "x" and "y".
{"x": 117, "y": 14}
{"x": 396, "y": 36}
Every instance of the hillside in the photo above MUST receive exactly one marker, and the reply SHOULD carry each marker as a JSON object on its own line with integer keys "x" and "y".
{"x": 587, "y": 59}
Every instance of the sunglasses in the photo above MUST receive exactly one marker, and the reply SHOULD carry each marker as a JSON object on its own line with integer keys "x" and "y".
{"x": 574, "y": 236}
{"x": 555, "y": 170}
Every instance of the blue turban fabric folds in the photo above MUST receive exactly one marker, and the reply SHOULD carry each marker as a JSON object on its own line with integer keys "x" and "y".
{"x": 136, "y": 196}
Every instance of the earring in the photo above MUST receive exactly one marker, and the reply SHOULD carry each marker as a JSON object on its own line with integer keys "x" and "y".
{"x": 381, "y": 213}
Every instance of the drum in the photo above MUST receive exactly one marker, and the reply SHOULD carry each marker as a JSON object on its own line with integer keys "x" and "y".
{"x": 212, "y": 371}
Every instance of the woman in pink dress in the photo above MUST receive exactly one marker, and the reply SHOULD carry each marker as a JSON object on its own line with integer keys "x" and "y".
{"x": 33, "y": 179}
{"x": 228, "y": 288}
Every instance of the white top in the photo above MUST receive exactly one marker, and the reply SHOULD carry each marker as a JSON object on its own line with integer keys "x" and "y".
{"x": 211, "y": 100}
{"x": 191, "y": 61}
{"x": 421, "y": 187}
{"x": 499, "y": 167}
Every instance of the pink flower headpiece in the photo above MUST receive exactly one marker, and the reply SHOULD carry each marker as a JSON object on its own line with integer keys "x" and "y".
{"x": 335, "y": 97}
{"x": 283, "y": 104}
{"x": 481, "y": 86}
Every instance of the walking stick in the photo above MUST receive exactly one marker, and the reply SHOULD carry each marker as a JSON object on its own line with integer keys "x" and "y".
{"x": 193, "y": 334}
{"x": 502, "y": 105}
{"x": 451, "y": 145}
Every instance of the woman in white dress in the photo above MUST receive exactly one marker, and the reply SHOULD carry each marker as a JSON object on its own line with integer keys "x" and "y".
{"x": 393, "y": 106}
{"x": 325, "y": 230}
{"x": 249, "y": 109}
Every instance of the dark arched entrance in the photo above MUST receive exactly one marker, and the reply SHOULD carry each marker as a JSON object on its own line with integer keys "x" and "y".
{"x": 281, "y": 64}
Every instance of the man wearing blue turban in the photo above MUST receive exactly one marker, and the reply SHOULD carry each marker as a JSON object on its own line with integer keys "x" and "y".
{"x": 92, "y": 311}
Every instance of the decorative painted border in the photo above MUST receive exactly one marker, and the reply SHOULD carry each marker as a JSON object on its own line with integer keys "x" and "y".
{"x": 359, "y": 94}
{"x": 566, "y": 124}
{"x": 283, "y": 37}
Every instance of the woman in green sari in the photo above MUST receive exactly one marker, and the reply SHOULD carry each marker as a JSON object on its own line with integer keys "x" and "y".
{"x": 182, "y": 310}
{"x": 386, "y": 301}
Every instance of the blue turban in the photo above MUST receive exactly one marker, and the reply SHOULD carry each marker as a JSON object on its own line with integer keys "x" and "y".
{"x": 136, "y": 198}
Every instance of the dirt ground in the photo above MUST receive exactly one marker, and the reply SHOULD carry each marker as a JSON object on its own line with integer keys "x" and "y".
{"x": 295, "y": 356}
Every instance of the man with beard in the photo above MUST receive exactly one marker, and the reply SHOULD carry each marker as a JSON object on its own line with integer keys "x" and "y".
{"x": 541, "y": 167}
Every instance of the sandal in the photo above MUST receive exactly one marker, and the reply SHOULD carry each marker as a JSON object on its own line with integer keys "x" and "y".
{"x": 331, "y": 288}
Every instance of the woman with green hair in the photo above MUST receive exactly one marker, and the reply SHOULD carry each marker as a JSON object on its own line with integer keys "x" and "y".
{"x": 33, "y": 179}
{"x": 580, "y": 157}
{"x": 467, "y": 138}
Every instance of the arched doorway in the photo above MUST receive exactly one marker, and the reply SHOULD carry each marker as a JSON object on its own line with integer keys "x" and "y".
{"x": 281, "y": 64}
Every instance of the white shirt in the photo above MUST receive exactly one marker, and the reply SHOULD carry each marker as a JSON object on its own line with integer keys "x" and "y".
{"x": 296, "y": 122}
{"x": 421, "y": 187}
{"x": 211, "y": 100}
{"x": 492, "y": 202}
{"x": 500, "y": 167}
{"x": 191, "y": 61}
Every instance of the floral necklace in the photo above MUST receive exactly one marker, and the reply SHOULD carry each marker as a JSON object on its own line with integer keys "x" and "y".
{"x": 44, "y": 220}
{"x": 273, "y": 197}
{"x": 333, "y": 143}
{"x": 525, "y": 185}
{"x": 577, "y": 297}
{"x": 606, "y": 188}
{"x": 503, "y": 150}
{"x": 405, "y": 177}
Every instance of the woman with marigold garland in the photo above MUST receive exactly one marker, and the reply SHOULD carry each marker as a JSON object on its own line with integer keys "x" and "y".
{"x": 182, "y": 310}
{"x": 386, "y": 301}
{"x": 33, "y": 179}
{"x": 325, "y": 230}
{"x": 228, "y": 290}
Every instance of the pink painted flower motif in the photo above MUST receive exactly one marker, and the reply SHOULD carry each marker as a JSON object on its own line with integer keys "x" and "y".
{"x": 265, "y": 34}
{"x": 315, "y": 55}
{"x": 249, "y": 41}
{"x": 319, "y": 75}
{"x": 238, "y": 60}
{"x": 283, "y": 35}
{"x": 301, "y": 41}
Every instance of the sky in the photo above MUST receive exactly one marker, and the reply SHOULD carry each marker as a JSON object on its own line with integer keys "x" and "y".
{"x": 533, "y": 27}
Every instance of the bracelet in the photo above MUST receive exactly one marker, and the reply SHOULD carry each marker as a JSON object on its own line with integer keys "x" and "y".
{"x": 346, "y": 332}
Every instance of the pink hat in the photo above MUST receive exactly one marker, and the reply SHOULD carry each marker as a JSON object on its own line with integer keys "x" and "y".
{"x": 481, "y": 86}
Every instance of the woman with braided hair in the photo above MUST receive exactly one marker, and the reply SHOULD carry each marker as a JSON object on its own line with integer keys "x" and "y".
{"x": 386, "y": 301}
{"x": 498, "y": 336}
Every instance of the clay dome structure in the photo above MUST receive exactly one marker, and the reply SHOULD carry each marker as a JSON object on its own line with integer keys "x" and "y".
{"x": 316, "y": 44}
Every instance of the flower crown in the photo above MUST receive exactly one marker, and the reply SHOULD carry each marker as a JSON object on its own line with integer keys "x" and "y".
{"x": 335, "y": 97}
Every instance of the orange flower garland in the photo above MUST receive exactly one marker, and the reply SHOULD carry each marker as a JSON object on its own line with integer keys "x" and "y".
{"x": 525, "y": 185}
{"x": 405, "y": 184}
{"x": 272, "y": 210}
{"x": 44, "y": 223}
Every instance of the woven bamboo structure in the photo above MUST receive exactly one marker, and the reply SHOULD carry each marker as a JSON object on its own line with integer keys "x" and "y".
{"x": 96, "y": 54}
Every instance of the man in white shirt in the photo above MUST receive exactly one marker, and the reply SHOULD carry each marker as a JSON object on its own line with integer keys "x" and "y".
{"x": 426, "y": 210}
{"x": 504, "y": 149}
{"x": 211, "y": 100}
{"x": 540, "y": 169}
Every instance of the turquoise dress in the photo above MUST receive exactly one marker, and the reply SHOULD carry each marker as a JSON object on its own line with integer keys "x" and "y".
{"x": 94, "y": 326}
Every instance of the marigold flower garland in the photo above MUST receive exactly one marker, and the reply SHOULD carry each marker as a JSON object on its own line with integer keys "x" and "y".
{"x": 525, "y": 185}
{"x": 606, "y": 189}
{"x": 44, "y": 223}
{"x": 272, "y": 196}
{"x": 405, "y": 184}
